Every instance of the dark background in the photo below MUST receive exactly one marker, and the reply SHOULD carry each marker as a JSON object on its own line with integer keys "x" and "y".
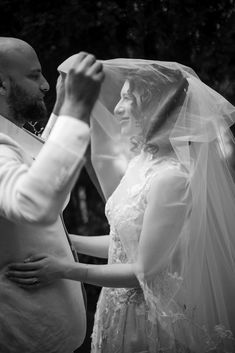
{"x": 200, "y": 34}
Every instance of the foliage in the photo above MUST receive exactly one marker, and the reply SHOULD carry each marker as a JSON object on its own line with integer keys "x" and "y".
{"x": 192, "y": 33}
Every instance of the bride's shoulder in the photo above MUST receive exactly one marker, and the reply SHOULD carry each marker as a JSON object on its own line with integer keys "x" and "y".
{"x": 168, "y": 175}
{"x": 170, "y": 184}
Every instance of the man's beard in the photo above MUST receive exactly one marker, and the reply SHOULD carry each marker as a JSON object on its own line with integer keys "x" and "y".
{"x": 25, "y": 108}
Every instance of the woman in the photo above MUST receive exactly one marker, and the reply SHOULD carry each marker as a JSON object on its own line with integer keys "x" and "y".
{"x": 169, "y": 282}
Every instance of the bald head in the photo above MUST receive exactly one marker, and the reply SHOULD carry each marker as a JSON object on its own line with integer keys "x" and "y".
{"x": 8, "y": 43}
{"x": 22, "y": 85}
{"x": 13, "y": 52}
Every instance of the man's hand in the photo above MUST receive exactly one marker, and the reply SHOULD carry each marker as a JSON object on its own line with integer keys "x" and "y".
{"x": 82, "y": 86}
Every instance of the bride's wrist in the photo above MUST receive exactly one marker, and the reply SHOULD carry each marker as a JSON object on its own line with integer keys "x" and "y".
{"x": 75, "y": 271}
{"x": 63, "y": 268}
{"x": 84, "y": 272}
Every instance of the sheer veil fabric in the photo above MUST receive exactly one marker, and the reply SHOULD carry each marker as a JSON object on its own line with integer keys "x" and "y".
{"x": 188, "y": 120}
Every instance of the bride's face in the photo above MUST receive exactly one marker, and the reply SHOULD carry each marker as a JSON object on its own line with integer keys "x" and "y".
{"x": 128, "y": 111}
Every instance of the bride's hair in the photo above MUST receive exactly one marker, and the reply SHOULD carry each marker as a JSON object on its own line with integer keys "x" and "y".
{"x": 162, "y": 92}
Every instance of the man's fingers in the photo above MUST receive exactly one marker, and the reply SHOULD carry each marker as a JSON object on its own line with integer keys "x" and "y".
{"x": 20, "y": 274}
{"x": 21, "y": 266}
{"x": 78, "y": 63}
{"x": 26, "y": 281}
{"x": 80, "y": 57}
{"x": 30, "y": 263}
{"x": 82, "y": 85}
{"x": 99, "y": 77}
{"x": 85, "y": 64}
{"x": 96, "y": 68}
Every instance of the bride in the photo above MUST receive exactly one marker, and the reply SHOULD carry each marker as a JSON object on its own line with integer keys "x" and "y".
{"x": 157, "y": 135}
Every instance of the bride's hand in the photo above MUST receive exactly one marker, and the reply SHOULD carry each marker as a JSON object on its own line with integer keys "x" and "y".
{"x": 37, "y": 270}
{"x": 60, "y": 93}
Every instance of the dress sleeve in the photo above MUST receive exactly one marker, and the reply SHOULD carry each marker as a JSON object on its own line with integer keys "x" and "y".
{"x": 36, "y": 193}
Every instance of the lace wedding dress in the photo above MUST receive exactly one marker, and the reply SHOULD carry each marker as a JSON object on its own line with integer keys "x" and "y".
{"x": 121, "y": 320}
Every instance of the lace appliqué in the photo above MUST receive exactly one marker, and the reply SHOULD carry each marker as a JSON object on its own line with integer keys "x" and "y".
{"x": 133, "y": 320}
{"x": 112, "y": 316}
{"x": 120, "y": 308}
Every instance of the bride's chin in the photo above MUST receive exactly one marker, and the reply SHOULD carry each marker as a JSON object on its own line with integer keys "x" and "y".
{"x": 125, "y": 131}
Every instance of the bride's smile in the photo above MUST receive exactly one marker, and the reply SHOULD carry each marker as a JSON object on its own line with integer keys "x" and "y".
{"x": 128, "y": 111}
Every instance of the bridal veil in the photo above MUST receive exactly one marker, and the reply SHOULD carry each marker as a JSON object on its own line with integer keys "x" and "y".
{"x": 197, "y": 308}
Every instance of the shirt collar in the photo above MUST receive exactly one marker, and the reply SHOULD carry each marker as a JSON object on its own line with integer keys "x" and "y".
{"x": 28, "y": 141}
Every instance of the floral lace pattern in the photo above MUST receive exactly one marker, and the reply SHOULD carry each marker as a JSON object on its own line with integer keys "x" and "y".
{"x": 121, "y": 320}
{"x": 124, "y": 321}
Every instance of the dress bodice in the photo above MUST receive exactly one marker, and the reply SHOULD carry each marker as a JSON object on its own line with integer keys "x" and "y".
{"x": 126, "y": 206}
{"x": 121, "y": 320}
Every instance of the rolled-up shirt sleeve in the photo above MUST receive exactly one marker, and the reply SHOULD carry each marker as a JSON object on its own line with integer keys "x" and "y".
{"x": 36, "y": 193}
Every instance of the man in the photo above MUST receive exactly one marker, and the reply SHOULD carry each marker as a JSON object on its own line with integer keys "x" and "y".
{"x": 49, "y": 318}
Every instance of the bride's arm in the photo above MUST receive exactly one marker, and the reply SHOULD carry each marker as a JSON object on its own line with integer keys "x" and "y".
{"x": 97, "y": 246}
{"x": 163, "y": 221}
{"x": 113, "y": 275}
{"x": 44, "y": 268}
{"x": 168, "y": 206}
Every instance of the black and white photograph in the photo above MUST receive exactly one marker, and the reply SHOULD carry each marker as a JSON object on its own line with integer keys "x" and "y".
{"x": 117, "y": 176}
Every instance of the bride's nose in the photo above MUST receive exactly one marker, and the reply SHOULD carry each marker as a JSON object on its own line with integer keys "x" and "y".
{"x": 118, "y": 110}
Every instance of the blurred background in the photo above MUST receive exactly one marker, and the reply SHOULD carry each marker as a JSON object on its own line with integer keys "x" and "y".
{"x": 199, "y": 34}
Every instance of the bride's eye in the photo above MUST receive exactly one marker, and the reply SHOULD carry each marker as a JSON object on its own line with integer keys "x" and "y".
{"x": 127, "y": 97}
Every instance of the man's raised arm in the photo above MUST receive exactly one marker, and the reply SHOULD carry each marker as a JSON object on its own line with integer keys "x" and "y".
{"x": 36, "y": 193}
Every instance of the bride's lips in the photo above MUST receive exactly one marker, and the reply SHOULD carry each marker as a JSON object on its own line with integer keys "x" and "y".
{"x": 125, "y": 119}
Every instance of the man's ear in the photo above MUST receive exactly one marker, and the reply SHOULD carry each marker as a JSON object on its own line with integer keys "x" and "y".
{"x": 3, "y": 84}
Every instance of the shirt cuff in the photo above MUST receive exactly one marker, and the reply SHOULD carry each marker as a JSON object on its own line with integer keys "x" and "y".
{"x": 71, "y": 134}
